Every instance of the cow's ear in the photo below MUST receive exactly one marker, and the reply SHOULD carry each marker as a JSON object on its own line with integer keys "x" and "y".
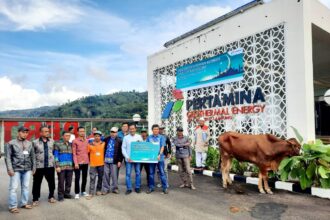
{"x": 292, "y": 141}
{"x": 272, "y": 138}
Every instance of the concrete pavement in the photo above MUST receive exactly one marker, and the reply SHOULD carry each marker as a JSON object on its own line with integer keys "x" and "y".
{"x": 209, "y": 201}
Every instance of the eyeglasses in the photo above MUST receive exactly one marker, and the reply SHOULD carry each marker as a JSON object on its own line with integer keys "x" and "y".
{"x": 113, "y": 132}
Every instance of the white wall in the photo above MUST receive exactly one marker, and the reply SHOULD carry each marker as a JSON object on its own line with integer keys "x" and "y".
{"x": 297, "y": 17}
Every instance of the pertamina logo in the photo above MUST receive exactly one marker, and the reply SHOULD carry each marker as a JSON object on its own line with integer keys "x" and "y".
{"x": 173, "y": 106}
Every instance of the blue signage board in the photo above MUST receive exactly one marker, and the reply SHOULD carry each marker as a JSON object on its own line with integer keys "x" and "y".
{"x": 223, "y": 68}
{"x": 144, "y": 152}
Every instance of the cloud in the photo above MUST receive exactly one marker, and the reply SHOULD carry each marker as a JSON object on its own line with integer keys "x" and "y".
{"x": 326, "y": 3}
{"x": 58, "y": 76}
{"x": 34, "y": 15}
{"x": 14, "y": 96}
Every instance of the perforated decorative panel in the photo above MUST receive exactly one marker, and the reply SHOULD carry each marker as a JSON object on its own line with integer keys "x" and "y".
{"x": 264, "y": 67}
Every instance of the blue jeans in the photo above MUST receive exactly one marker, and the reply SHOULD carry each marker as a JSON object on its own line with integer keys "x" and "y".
{"x": 129, "y": 167}
{"x": 20, "y": 178}
{"x": 152, "y": 169}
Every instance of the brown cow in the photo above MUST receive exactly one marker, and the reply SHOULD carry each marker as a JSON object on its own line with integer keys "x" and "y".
{"x": 265, "y": 150}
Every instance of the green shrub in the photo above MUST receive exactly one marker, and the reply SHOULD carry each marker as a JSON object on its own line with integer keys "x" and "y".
{"x": 311, "y": 168}
{"x": 212, "y": 160}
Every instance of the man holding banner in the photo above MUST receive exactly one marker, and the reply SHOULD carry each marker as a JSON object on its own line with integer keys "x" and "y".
{"x": 158, "y": 140}
{"x": 126, "y": 151}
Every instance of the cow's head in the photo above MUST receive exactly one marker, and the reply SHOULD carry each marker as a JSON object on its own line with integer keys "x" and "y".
{"x": 294, "y": 146}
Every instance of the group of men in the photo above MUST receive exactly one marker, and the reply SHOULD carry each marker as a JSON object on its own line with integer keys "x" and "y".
{"x": 102, "y": 156}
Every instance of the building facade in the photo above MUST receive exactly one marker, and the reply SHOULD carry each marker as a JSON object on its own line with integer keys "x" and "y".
{"x": 252, "y": 70}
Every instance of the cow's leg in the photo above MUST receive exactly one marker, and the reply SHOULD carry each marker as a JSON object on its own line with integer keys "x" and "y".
{"x": 265, "y": 179}
{"x": 229, "y": 181}
{"x": 224, "y": 161}
{"x": 260, "y": 186}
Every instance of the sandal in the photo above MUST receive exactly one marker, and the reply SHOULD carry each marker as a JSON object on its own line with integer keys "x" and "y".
{"x": 26, "y": 207}
{"x": 35, "y": 203}
{"x": 14, "y": 210}
{"x": 89, "y": 197}
{"x": 52, "y": 200}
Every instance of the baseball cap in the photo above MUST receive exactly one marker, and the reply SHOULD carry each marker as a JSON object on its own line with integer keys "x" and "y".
{"x": 22, "y": 128}
{"x": 144, "y": 130}
{"x": 114, "y": 129}
{"x": 98, "y": 132}
{"x": 162, "y": 127}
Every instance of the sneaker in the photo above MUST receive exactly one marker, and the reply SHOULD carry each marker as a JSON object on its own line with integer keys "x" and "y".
{"x": 159, "y": 185}
{"x": 138, "y": 190}
{"x": 128, "y": 192}
{"x": 76, "y": 196}
{"x": 192, "y": 187}
{"x": 149, "y": 191}
{"x": 165, "y": 191}
{"x": 84, "y": 194}
{"x": 115, "y": 191}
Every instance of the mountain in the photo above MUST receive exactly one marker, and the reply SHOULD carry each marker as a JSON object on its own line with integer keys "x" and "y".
{"x": 34, "y": 112}
{"x": 116, "y": 105}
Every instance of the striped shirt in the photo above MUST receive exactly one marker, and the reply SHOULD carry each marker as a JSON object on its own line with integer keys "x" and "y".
{"x": 63, "y": 155}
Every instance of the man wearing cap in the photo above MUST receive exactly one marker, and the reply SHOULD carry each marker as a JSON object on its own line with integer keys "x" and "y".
{"x": 183, "y": 155}
{"x": 167, "y": 153}
{"x": 20, "y": 162}
{"x": 81, "y": 161}
{"x": 44, "y": 152}
{"x": 144, "y": 135}
{"x": 201, "y": 143}
{"x": 113, "y": 158}
{"x": 96, "y": 154}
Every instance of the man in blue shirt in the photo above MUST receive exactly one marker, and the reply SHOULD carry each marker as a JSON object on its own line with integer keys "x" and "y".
{"x": 124, "y": 131}
{"x": 158, "y": 140}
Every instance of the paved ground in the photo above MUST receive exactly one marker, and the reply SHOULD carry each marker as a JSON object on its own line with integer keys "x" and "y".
{"x": 209, "y": 201}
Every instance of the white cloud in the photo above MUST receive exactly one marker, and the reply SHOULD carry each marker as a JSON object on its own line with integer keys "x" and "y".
{"x": 14, "y": 96}
{"x": 326, "y": 3}
{"x": 33, "y": 15}
{"x": 58, "y": 77}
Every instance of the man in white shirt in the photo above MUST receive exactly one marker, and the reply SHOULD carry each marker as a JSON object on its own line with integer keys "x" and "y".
{"x": 126, "y": 150}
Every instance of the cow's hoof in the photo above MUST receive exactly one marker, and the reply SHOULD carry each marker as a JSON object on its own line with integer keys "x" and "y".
{"x": 224, "y": 186}
{"x": 269, "y": 191}
{"x": 262, "y": 191}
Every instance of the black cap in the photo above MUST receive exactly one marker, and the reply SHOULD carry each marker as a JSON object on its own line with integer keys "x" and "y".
{"x": 22, "y": 128}
{"x": 179, "y": 129}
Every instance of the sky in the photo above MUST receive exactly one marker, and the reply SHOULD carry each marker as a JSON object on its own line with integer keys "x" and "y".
{"x": 55, "y": 51}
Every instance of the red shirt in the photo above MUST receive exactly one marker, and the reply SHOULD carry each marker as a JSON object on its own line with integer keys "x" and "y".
{"x": 80, "y": 151}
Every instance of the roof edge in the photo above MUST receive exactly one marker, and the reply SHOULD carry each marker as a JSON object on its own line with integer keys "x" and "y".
{"x": 238, "y": 10}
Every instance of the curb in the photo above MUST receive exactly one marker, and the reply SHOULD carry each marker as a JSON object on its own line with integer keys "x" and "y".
{"x": 292, "y": 187}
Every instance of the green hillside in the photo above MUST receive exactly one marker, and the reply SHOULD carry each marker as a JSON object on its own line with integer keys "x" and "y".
{"x": 116, "y": 105}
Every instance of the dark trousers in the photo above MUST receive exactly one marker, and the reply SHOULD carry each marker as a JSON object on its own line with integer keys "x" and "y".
{"x": 146, "y": 168}
{"x": 83, "y": 168}
{"x": 64, "y": 179}
{"x": 93, "y": 173}
{"x": 49, "y": 174}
